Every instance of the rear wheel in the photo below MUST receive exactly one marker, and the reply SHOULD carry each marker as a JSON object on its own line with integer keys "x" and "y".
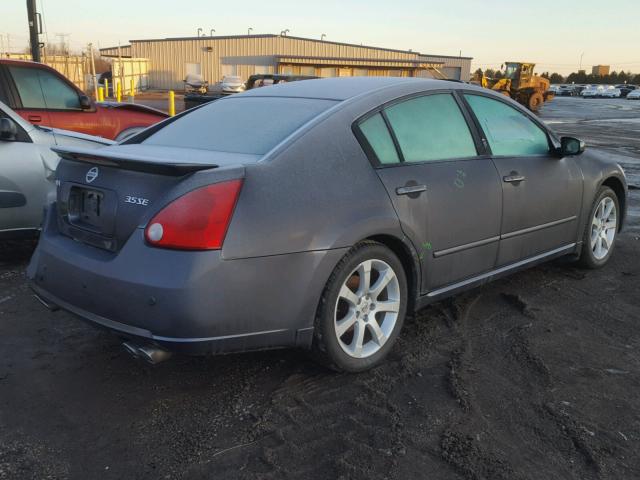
{"x": 362, "y": 309}
{"x": 535, "y": 101}
{"x": 601, "y": 230}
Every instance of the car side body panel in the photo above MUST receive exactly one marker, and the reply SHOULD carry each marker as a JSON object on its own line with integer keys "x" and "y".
{"x": 598, "y": 167}
{"x": 303, "y": 198}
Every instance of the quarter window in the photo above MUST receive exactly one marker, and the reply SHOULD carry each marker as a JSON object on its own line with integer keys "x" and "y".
{"x": 375, "y": 131}
{"x": 431, "y": 127}
{"x": 508, "y": 131}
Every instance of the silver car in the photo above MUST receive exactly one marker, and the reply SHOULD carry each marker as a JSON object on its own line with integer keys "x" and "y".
{"x": 316, "y": 214}
{"x": 27, "y": 170}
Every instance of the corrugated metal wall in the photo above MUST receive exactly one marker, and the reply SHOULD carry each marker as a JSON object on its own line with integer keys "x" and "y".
{"x": 453, "y": 63}
{"x": 169, "y": 57}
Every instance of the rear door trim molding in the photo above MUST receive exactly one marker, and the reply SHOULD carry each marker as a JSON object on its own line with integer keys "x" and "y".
{"x": 466, "y": 246}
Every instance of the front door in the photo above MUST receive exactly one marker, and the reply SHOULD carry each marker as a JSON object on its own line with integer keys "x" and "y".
{"x": 448, "y": 198}
{"x": 542, "y": 192}
{"x": 23, "y": 186}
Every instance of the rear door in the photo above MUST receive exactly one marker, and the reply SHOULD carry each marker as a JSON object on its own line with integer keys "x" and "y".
{"x": 447, "y": 195}
{"x": 542, "y": 192}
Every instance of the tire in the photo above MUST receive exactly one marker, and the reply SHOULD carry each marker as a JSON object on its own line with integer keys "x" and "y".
{"x": 591, "y": 256}
{"x": 535, "y": 101}
{"x": 349, "y": 314}
{"x": 124, "y": 134}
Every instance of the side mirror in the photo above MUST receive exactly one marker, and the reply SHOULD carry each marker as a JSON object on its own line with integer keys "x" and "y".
{"x": 571, "y": 146}
{"x": 85, "y": 102}
{"x": 8, "y": 129}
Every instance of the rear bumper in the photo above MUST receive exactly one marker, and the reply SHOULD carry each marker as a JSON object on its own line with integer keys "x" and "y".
{"x": 191, "y": 302}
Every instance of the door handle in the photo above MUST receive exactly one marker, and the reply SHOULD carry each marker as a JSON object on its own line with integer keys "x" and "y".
{"x": 35, "y": 118}
{"x": 514, "y": 178}
{"x": 408, "y": 190}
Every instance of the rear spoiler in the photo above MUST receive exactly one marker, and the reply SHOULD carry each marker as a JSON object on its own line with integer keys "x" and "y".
{"x": 138, "y": 163}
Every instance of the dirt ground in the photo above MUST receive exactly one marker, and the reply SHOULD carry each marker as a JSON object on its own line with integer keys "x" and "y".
{"x": 533, "y": 377}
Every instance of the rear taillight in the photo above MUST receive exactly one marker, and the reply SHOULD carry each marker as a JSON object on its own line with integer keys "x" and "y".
{"x": 198, "y": 220}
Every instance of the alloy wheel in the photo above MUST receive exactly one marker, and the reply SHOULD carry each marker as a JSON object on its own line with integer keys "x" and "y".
{"x": 367, "y": 308}
{"x": 604, "y": 226}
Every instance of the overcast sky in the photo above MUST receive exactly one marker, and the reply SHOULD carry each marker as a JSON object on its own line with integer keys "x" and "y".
{"x": 552, "y": 34}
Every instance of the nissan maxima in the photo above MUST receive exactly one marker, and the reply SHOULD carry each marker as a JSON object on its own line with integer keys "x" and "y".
{"x": 317, "y": 215}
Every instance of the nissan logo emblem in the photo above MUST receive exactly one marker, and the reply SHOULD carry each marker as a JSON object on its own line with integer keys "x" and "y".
{"x": 92, "y": 174}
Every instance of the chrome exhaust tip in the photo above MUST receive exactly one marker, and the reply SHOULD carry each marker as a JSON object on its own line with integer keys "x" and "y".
{"x": 149, "y": 354}
{"x": 131, "y": 349}
{"x": 154, "y": 355}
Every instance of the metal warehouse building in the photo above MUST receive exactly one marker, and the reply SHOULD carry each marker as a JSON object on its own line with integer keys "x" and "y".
{"x": 171, "y": 59}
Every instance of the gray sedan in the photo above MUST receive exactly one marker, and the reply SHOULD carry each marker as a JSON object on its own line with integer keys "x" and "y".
{"x": 317, "y": 215}
{"x": 27, "y": 170}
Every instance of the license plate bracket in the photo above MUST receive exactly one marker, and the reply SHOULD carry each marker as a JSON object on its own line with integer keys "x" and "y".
{"x": 92, "y": 209}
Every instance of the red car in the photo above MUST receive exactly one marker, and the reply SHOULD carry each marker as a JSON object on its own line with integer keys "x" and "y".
{"x": 43, "y": 96}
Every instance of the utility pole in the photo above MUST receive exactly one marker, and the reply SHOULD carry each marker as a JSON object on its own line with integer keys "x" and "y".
{"x": 64, "y": 48}
{"x": 93, "y": 71}
{"x": 34, "y": 30}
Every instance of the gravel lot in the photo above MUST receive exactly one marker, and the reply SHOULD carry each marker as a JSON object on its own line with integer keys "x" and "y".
{"x": 532, "y": 377}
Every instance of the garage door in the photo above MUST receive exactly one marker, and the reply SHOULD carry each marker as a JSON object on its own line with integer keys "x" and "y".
{"x": 453, "y": 73}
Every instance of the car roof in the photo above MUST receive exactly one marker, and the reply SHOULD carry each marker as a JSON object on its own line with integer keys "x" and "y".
{"x": 344, "y": 88}
{"x": 24, "y": 63}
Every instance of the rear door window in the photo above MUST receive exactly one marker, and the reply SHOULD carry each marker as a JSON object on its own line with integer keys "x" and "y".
{"x": 252, "y": 125}
{"x": 431, "y": 127}
{"x": 508, "y": 131}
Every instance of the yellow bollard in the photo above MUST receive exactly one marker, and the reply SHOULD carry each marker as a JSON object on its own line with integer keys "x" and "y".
{"x": 118, "y": 92}
{"x": 101, "y": 94}
{"x": 172, "y": 103}
{"x": 106, "y": 88}
{"x": 132, "y": 89}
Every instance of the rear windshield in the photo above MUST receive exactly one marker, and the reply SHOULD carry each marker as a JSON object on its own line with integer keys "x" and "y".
{"x": 251, "y": 125}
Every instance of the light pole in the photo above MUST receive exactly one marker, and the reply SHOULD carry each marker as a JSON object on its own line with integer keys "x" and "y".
{"x": 284, "y": 32}
{"x": 249, "y": 30}
{"x": 211, "y": 32}
{"x": 580, "y": 67}
{"x": 323, "y": 36}
{"x": 199, "y": 32}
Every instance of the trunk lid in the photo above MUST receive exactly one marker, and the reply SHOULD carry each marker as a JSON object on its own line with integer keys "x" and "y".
{"x": 104, "y": 195}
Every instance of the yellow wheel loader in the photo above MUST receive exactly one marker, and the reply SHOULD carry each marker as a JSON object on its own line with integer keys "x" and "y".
{"x": 521, "y": 84}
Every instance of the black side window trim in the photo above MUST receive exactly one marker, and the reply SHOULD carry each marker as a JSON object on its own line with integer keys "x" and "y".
{"x": 373, "y": 158}
{"x": 11, "y": 91}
